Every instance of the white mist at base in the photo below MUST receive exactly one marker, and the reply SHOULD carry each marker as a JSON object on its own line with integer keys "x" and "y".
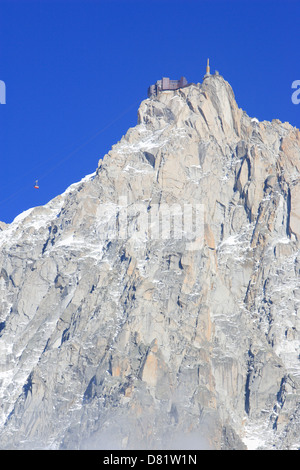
{"x": 127, "y": 433}
{"x": 107, "y": 441}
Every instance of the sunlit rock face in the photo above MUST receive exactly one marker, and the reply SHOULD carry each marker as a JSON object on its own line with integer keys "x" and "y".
{"x": 125, "y": 324}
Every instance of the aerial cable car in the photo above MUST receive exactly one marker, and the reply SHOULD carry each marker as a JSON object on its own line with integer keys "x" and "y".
{"x": 36, "y": 184}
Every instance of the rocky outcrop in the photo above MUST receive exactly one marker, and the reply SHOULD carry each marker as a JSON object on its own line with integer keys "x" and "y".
{"x": 123, "y": 326}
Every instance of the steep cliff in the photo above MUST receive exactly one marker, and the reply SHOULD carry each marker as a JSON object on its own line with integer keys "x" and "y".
{"x": 120, "y": 331}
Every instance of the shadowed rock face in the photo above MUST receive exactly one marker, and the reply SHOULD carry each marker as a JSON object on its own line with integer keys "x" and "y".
{"x": 117, "y": 332}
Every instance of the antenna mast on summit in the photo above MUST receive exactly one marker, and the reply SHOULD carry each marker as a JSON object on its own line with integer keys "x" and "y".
{"x": 207, "y": 68}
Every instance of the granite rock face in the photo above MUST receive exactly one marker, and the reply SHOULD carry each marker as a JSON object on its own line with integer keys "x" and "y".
{"x": 123, "y": 326}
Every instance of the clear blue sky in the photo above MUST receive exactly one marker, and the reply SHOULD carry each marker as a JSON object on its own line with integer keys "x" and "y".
{"x": 76, "y": 71}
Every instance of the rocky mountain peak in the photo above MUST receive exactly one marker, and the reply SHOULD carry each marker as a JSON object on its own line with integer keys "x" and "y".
{"x": 121, "y": 325}
{"x": 209, "y": 106}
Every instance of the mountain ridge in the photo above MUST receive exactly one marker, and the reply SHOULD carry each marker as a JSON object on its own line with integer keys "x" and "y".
{"x": 114, "y": 338}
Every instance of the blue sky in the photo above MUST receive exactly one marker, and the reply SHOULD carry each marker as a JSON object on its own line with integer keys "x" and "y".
{"x": 75, "y": 73}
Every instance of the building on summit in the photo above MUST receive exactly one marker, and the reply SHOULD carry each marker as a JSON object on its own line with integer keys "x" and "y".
{"x": 166, "y": 84}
